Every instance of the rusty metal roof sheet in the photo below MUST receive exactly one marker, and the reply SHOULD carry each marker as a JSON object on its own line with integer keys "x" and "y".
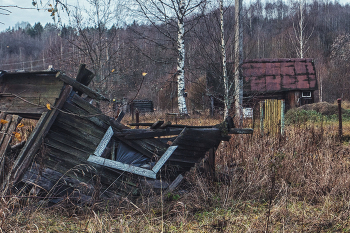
{"x": 274, "y": 75}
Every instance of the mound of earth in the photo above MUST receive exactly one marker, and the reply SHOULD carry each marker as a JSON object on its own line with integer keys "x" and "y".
{"x": 324, "y": 108}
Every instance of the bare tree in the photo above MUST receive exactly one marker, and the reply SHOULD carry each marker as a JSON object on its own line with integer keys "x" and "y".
{"x": 94, "y": 39}
{"x": 300, "y": 36}
{"x": 173, "y": 14}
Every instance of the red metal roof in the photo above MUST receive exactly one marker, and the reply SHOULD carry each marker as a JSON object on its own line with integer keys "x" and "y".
{"x": 275, "y": 75}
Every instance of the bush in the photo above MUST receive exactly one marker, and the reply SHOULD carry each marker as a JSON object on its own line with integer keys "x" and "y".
{"x": 298, "y": 116}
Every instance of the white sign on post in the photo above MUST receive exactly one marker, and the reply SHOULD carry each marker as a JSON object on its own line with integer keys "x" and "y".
{"x": 247, "y": 112}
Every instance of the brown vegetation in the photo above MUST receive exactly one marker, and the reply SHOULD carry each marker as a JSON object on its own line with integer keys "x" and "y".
{"x": 298, "y": 182}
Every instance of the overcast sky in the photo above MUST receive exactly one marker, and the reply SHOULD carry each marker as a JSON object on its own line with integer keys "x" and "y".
{"x": 32, "y": 15}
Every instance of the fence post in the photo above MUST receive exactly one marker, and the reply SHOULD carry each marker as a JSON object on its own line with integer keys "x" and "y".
{"x": 262, "y": 118}
{"x": 340, "y": 120}
{"x": 132, "y": 111}
{"x": 137, "y": 114}
{"x": 282, "y": 116}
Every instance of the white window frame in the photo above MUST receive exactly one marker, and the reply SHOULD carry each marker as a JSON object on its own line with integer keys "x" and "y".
{"x": 306, "y": 96}
{"x": 97, "y": 159}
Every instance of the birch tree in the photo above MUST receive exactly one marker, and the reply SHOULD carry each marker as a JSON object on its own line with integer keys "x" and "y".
{"x": 238, "y": 63}
{"x": 301, "y": 38}
{"x": 166, "y": 15}
{"x": 227, "y": 87}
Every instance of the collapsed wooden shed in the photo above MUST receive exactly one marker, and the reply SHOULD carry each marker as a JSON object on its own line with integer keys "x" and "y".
{"x": 74, "y": 138}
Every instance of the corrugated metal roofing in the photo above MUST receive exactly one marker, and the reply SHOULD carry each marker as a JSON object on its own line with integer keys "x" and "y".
{"x": 274, "y": 75}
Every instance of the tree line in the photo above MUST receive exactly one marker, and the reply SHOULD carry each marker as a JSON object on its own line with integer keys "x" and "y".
{"x": 119, "y": 53}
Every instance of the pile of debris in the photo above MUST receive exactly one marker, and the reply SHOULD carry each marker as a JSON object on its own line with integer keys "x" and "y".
{"x": 75, "y": 147}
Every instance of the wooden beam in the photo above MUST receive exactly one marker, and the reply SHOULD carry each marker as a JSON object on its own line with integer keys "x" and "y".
{"x": 80, "y": 87}
{"x": 157, "y": 124}
{"x": 145, "y": 133}
{"x": 84, "y": 75}
{"x": 97, "y": 112}
{"x": 175, "y": 183}
{"x": 133, "y": 169}
{"x": 164, "y": 158}
{"x": 6, "y": 139}
{"x": 104, "y": 141}
{"x": 122, "y": 166}
{"x": 241, "y": 131}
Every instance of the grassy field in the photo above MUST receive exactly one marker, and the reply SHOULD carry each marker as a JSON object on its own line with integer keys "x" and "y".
{"x": 299, "y": 182}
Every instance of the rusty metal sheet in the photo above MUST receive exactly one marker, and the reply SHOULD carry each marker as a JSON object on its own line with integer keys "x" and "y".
{"x": 271, "y": 75}
{"x": 258, "y": 84}
{"x": 273, "y": 83}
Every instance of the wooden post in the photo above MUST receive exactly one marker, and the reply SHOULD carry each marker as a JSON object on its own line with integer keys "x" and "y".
{"x": 282, "y": 116}
{"x": 262, "y": 118}
{"x": 211, "y": 163}
{"x": 340, "y": 120}
{"x": 132, "y": 111}
{"x": 137, "y": 114}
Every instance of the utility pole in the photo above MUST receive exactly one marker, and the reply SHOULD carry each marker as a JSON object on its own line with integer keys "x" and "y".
{"x": 238, "y": 64}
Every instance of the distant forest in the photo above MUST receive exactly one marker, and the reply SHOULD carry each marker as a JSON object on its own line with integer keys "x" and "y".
{"x": 119, "y": 55}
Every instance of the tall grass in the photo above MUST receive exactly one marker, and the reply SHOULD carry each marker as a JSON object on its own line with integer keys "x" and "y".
{"x": 298, "y": 182}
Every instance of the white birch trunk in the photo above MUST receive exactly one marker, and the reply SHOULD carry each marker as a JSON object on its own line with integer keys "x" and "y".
{"x": 227, "y": 101}
{"x": 238, "y": 64}
{"x": 181, "y": 60}
{"x": 301, "y": 26}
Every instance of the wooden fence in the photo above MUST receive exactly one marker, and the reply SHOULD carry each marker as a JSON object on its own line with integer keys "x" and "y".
{"x": 272, "y": 116}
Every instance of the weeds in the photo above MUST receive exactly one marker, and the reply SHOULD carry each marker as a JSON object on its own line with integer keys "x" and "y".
{"x": 299, "y": 182}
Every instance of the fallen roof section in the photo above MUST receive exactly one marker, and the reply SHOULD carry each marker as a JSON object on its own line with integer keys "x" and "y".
{"x": 75, "y": 138}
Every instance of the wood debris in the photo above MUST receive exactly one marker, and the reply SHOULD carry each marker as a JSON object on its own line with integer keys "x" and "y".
{"x": 75, "y": 145}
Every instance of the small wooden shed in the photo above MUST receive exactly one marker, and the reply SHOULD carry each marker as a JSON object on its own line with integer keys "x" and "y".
{"x": 291, "y": 79}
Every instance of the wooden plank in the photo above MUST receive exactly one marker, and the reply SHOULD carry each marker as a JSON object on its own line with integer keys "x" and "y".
{"x": 64, "y": 148}
{"x": 84, "y": 114}
{"x": 157, "y": 124}
{"x": 184, "y": 159}
{"x": 122, "y": 166}
{"x": 85, "y": 105}
{"x": 68, "y": 141}
{"x": 241, "y": 131}
{"x": 80, "y": 87}
{"x": 33, "y": 144}
{"x": 31, "y": 78}
{"x": 164, "y": 158}
{"x": 175, "y": 183}
{"x": 141, "y": 124}
{"x": 146, "y": 133}
{"x": 34, "y": 90}
{"x": 211, "y": 163}
{"x": 76, "y": 139}
{"x": 13, "y": 122}
{"x": 21, "y": 156}
{"x": 120, "y": 117}
{"x": 82, "y": 124}
{"x": 104, "y": 141}
{"x": 97, "y": 112}
{"x": 77, "y": 132}
{"x": 84, "y": 75}
{"x": 4, "y": 127}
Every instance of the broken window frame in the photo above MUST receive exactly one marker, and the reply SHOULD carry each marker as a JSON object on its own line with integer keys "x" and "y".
{"x": 97, "y": 159}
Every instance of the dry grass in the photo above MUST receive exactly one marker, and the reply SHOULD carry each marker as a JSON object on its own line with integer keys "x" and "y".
{"x": 296, "y": 183}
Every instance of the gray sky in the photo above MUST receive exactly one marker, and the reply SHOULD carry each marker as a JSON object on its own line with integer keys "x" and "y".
{"x": 43, "y": 16}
